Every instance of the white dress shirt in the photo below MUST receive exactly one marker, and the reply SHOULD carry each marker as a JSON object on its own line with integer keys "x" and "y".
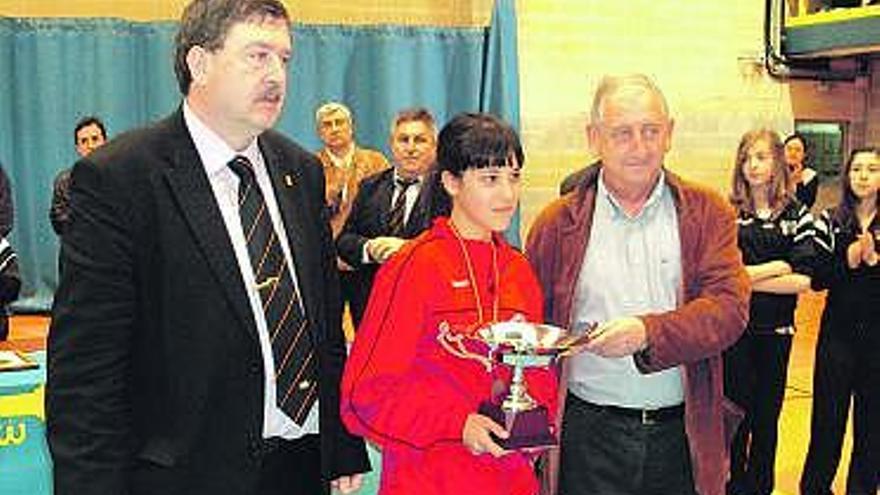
{"x": 412, "y": 195}
{"x": 215, "y": 155}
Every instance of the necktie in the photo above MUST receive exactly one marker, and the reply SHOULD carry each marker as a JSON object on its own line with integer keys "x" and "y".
{"x": 396, "y": 215}
{"x": 295, "y": 360}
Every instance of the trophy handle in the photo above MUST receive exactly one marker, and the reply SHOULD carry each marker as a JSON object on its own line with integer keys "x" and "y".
{"x": 454, "y": 344}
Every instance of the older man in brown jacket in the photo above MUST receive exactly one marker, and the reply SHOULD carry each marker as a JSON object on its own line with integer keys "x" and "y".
{"x": 345, "y": 163}
{"x": 653, "y": 261}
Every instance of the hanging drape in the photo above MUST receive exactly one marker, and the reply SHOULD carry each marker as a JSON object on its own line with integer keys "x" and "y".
{"x": 54, "y": 71}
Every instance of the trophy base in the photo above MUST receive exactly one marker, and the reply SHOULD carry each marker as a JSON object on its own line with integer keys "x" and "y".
{"x": 528, "y": 429}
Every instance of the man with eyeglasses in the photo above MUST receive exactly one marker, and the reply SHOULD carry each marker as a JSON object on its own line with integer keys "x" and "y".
{"x": 196, "y": 343}
{"x": 651, "y": 259}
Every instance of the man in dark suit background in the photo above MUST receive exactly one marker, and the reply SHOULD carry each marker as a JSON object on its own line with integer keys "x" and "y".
{"x": 89, "y": 134}
{"x": 166, "y": 374}
{"x": 391, "y": 206}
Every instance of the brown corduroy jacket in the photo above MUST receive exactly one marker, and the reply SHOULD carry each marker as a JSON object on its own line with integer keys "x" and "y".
{"x": 365, "y": 163}
{"x": 712, "y": 314}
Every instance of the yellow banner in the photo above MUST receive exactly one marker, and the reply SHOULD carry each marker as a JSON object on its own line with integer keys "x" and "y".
{"x": 26, "y": 404}
{"x": 464, "y": 13}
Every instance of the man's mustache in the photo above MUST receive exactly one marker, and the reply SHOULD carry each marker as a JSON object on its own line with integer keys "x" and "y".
{"x": 273, "y": 93}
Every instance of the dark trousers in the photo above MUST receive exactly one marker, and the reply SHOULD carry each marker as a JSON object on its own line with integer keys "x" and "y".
{"x": 606, "y": 453}
{"x": 348, "y": 293}
{"x": 845, "y": 366}
{"x": 293, "y": 468}
{"x": 755, "y": 370}
{"x": 288, "y": 467}
{"x": 346, "y": 287}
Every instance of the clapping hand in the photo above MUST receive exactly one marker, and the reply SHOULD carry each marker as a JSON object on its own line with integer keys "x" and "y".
{"x": 869, "y": 252}
{"x": 862, "y": 250}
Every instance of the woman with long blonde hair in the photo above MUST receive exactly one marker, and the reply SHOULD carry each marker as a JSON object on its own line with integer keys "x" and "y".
{"x": 775, "y": 235}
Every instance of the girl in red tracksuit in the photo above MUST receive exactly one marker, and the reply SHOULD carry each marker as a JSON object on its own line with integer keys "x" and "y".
{"x": 406, "y": 386}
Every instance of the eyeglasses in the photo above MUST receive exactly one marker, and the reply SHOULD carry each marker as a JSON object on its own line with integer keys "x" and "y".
{"x": 626, "y": 134}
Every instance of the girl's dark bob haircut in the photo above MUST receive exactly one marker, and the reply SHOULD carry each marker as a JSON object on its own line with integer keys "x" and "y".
{"x": 472, "y": 141}
{"x": 477, "y": 140}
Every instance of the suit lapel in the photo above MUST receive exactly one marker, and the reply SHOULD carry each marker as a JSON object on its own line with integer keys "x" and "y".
{"x": 382, "y": 205}
{"x": 192, "y": 192}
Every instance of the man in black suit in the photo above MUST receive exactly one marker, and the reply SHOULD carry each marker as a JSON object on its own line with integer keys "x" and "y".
{"x": 391, "y": 206}
{"x": 198, "y": 251}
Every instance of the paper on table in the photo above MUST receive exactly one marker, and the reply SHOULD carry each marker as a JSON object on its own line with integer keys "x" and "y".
{"x": 13, "y": 360}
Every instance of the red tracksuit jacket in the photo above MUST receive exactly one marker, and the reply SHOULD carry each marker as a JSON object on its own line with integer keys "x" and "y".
{"x": 405, "y": 392}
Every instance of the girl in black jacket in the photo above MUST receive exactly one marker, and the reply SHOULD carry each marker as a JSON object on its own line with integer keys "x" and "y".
{"x": 847, "y": 363}
{"x": 775, "y": 235}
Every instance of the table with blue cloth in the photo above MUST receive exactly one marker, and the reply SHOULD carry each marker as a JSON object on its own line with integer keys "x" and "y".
{"x": 25, "y": 465}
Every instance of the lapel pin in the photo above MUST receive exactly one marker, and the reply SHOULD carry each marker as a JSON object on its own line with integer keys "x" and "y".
{"x": 288, "y": 180}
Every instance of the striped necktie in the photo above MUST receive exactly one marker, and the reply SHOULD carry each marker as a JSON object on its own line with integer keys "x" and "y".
{"x": 295, "y": 361}
{"x": 397, "y": 213}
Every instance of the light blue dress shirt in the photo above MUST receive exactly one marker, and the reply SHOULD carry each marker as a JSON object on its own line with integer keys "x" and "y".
{"x": 632, "y": 267}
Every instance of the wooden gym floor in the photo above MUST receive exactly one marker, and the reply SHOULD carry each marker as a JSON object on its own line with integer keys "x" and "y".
{"x": 29, "y": 332}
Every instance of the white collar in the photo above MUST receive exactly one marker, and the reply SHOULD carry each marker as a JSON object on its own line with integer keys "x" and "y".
{"x": 397, "y": 177}
{"x": 653, "y": 198}
{"x": 213, "y": 150}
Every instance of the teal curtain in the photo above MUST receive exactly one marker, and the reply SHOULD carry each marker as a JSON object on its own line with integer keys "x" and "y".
{"x": 54, "y": 71}
{"x": 499, "y": 93}
{"x": 376, "y": 71}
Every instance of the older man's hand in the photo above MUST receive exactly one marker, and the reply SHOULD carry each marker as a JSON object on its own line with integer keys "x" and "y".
{"x": 618, "y": 338}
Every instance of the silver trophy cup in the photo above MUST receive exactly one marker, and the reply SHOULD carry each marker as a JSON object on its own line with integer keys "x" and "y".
{"x": 522, "y": 345}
